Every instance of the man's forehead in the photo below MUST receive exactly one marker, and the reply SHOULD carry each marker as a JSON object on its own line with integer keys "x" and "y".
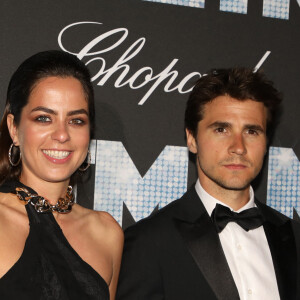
{"x": 223, "y": 103}
{"x": 228, "y": 109}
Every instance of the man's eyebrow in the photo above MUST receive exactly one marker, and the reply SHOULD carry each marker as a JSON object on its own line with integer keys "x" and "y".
{"x": 220, "y": 124}
{"x": 254, "y": 127}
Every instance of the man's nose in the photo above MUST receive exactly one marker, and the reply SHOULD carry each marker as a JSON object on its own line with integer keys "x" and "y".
{"x": 237, "y": 145}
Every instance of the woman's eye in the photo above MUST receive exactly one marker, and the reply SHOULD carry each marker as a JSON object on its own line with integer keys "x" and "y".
{"x": 43, "y": 119}
{"x": 77, "y": 122}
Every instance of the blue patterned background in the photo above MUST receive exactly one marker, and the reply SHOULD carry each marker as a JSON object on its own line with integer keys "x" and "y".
{"x": 271, "y": 8}
{"x": 283, "y": 180}
{"x": 117, "y": 180}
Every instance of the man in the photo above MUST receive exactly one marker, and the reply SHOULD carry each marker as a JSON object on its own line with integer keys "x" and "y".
{"x": 195, "y": 248}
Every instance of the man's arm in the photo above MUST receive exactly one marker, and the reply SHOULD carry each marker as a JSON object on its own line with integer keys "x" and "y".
{"x": 140, "y": 275}
{"x": 296, "y": 229}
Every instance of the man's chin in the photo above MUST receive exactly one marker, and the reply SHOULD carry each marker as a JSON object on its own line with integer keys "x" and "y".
{"x": 236, "y": 188}
{"x": 230, "y": 182}
{"x": 233, "y": 185}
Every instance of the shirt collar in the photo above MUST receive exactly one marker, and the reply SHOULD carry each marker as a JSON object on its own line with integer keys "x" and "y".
{"x": 210, "y": 202}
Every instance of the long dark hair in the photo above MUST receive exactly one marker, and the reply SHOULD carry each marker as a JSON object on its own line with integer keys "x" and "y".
{"x": 39, "y": 66}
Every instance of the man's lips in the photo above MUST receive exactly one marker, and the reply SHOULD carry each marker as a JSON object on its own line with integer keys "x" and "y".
{"x": 235, "y": 166}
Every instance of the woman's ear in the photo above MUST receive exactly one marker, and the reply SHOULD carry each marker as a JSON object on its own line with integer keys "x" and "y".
{"x": 12, "y": 128}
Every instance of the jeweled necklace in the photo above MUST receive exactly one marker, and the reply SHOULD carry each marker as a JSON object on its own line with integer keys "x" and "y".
{"x": 42, "y": 205}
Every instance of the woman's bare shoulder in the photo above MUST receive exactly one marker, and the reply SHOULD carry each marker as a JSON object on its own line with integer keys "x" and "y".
{"x": 8, "y": 199}
{"x": 10, "y": 202}
{"x": 99, "y": 221}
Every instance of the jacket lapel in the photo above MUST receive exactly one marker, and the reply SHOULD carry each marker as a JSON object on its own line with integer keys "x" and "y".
{"x": 198, "y": 233}
{"x": 282, "y": 245}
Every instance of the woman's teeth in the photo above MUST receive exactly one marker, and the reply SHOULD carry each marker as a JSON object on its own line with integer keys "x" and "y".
{"x": 57, "y": 154}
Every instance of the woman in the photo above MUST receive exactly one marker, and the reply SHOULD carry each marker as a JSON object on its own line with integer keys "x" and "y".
{"x": 50, "y": 248}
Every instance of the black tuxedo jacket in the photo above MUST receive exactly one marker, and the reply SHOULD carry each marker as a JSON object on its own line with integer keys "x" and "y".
{"x": 177, "y": 255}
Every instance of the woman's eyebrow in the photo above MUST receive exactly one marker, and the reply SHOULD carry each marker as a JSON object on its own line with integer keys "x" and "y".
{"x": 77, "y": 112}
{"x": 52, "y": 112}
{"x": 44, "y": 109}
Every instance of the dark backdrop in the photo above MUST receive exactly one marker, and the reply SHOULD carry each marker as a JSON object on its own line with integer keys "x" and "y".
{"x": 140, "y": 161}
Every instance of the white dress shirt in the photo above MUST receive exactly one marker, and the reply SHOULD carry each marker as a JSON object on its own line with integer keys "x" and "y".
{"x": 247, "y": 253}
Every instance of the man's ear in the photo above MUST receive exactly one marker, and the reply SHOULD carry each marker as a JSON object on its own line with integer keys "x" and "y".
{"x": 191, "y": 142}
{"x": 12, "y": 128}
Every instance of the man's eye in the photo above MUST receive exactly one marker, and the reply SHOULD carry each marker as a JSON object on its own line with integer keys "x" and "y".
{"x": 220, "y": 130}
{"x": 252, "y": 132}
{"x": 43, "y": 119}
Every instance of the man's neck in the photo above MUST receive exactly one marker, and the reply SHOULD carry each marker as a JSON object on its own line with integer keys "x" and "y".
{"x": 235, "y": 199}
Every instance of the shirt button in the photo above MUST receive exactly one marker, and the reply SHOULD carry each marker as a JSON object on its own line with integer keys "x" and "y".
{"x": 239, "y": 246}
{"x": 249, "y": 291}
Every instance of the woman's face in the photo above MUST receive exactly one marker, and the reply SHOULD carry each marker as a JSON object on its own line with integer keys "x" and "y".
{"x": 53, "y": 133}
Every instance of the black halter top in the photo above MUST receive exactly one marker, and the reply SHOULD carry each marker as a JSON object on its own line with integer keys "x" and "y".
{"x": 49, "y": 268}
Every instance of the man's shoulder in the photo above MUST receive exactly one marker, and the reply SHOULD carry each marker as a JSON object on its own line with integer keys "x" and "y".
{"x": 157, "y": 219}
{"x": 275, "y": 216}
{"x": 163, "y": 218}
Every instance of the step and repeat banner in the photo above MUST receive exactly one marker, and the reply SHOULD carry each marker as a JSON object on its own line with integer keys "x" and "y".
{"x": 144, "y": 57}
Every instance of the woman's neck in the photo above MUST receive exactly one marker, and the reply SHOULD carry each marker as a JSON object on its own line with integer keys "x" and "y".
{"x": 51, "y": 191}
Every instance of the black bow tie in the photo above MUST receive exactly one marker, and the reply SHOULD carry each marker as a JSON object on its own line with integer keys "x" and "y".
{"x": 247, "y": 219}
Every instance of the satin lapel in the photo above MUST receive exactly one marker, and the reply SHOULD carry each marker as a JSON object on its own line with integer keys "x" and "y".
{"x": 205, "y": 247}
{"x": 282, "y": 245}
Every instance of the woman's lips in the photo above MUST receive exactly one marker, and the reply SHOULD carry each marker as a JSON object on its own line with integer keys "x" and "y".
{"x": 57, "y": 156}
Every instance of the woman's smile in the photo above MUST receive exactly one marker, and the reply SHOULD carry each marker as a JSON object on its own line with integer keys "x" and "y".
{"x": 57, "y": 156}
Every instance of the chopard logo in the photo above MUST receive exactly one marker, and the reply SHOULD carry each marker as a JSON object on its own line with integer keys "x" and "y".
{"x": 137, "y": 79}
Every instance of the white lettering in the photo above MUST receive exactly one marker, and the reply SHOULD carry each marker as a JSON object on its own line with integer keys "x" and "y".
{"x": 142, "y": 77}
{"x": 262, "y": 60}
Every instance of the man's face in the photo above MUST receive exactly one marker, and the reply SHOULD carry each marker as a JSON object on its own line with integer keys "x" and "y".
{"x": 230, "y": 144}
